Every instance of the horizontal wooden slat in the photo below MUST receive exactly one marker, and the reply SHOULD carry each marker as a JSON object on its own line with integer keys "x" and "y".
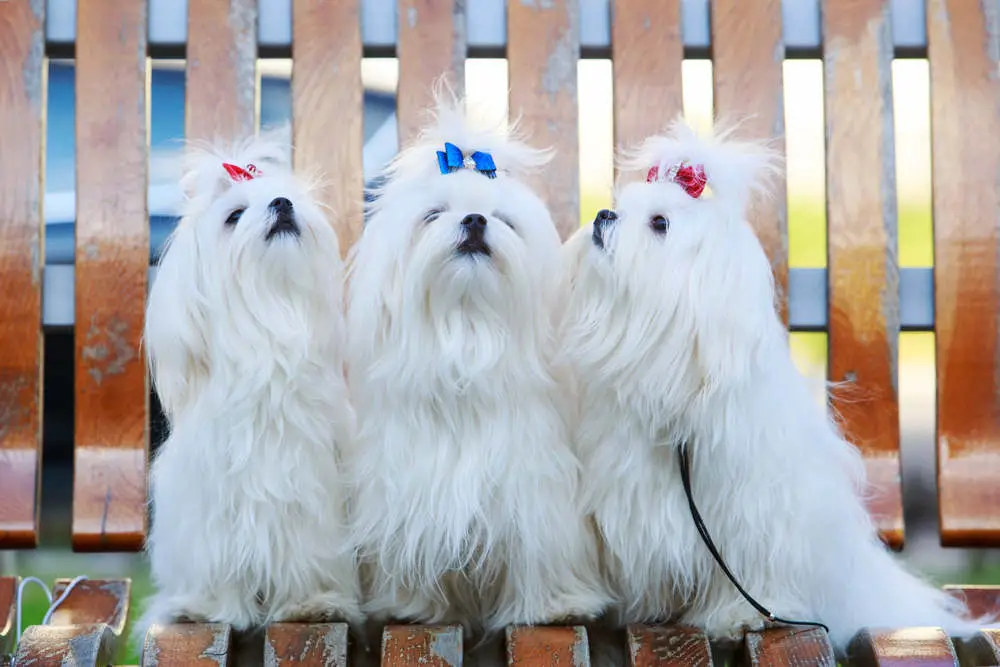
{"x": 916, "y": 647}
{"x": 326, "y": 84}
{"x": 90, "y": 645}
{"x": 965, "y": 110}
{"x": 188, "y": 645}
{"x": 93, "y": 601}
{"x": 22, "y": 110}
{"x": 547, "y": 646}
{"x": 410, "y": 646}
{"x": 789, "y": 647}
{"x": 981, "y": 600}
{"x": 8, "y": 613}
{"x": 306, "y": 644}
{"x": 668, "y": 646}
{"x": 112, "y": 255}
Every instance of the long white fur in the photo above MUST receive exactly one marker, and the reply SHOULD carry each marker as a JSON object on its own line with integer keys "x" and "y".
{"x": 245, "y": 342}
{"x": 466, "y": 508}
{"x": 675, "y": 339}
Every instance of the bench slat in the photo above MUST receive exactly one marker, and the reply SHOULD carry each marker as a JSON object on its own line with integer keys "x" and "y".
{"x": 547, "y": 646}
{"x": 668, "y": 646}
{"x": 747, "y": 53}
{"x": 863, "y": 274}
{"x": 981, "y": 600}
{"x": 781, "y": 647}
{"x": 434, "y": 646}
{"x": 22, "y": 47}
{"x": 647, "y": 87}
{"x": 543, "y": 44}
{"x": 8, "y": 613}
{"x": 221, "y": 79}
{"x": 981, "y": 649}
{"x": 112, "y": 258}
{"x": 327, "y": 92}
{"x": 307, "y": 644}
{"x": 964, "y": 109}
{"x": 431, "y": 42}
{"x": 188, "y": 644}
{"x": 926, "y": 647}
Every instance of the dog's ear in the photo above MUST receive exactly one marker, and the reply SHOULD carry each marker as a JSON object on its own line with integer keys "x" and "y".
{"x": 174, "y": 337}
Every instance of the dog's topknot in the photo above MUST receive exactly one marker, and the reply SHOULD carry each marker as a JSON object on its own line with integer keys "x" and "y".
{"x": 736, "y": 169}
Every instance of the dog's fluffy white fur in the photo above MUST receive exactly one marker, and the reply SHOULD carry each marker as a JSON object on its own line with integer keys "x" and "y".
{"x": 244, "y": 335}
{"x": 674, "y": 338}
{"x": 466, "y": 508}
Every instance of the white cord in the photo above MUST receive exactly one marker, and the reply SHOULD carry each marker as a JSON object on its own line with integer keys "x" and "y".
{"x": 48, "y": 596}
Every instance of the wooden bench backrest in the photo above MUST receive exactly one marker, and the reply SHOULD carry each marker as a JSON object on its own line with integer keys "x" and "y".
{"x": 543, "y": 43}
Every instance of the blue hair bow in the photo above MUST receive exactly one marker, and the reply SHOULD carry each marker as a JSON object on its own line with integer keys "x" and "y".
{"x": 451, "y": 160}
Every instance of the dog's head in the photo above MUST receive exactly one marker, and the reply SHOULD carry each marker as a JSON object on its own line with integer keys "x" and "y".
{"x": 672, "y": 289}
{"x": 458, "y": 256}
{"x": 252, "y": 268}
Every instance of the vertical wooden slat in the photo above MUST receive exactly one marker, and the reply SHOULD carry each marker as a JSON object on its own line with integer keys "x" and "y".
{"x": 22, "y": 107}
{"x": 668, "y": 646}
{"x": 326, "y": 88}
{"x": 863, "y": 271}
{"x": 543, "y": 45}
{"x": 747, "y": 56}
{"x": 547, "y": 646}
{"x": 964, "y": 47}
{"x": 112, "y": 259}
{"x": 916, "y": 647}
{"x": 788, "y": 647}
{"x": 306, "y": 644}
{"x": 221, "y": 87}
{"x": 413, "y": 645}
{"x": 188, "y": 645}
{"x": 8, "y": 613}
{"x": 431, "y": 43}
{"x": 647, "y": 52}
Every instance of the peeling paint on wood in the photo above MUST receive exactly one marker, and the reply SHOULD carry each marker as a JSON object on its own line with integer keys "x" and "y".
{"x": 413, "y": 645}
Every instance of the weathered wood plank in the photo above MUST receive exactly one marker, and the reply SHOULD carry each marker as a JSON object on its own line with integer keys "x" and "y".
{"x": 326, "y": 87}
{"x": 547, "y": 646}
{"x": 647, "y": 87}
{"x": 412, "y": 645}
{"x": 863, "y": 273}
{"x": 93, "y": 601}
{"x": 963, "y": 43}
{"x": 8, "y": 613}
{"x": 307, "y": 644}
{"x": 789, "y": 647}
{"x": 112, "y": 260}
{"x": 431, "y": 44}
{"x": 923, "y": 647}
{"x": 543, "y": 45}
{"x": 668, "y": 646}
{"x": 188, "y": 645}
{"x": 22, "y": 106}
{"x": 981, "y": 600}
{"x": 748, "y": 52}
{"x": 981, "y": 649}
{"x": 221, "y": 86}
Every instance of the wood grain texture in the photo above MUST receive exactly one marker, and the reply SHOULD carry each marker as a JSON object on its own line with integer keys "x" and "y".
{"x": 667, "y": 646}
{"x": 964, "y": 46}
{"x": 306, "y": 644}
{"x": 22, "y": 107}
{"x": 748, "y": 52}
{"x": 431, "y": 44}
{"x": 93, "y": 601}
{"x": 8, "y": 613}
{"x": 326, "y": 90}
{"x": 789, "y": 647}
{"x": 89, "y": 645}
{"x": 981, "y": 600}
{"x": 187, "y": 645}
{"x": 911, "y": 647}
{"x": 547, "y": 646}
{"x": 221, "y": 82}
{"x": 646, "y": 56}
{"x": 543, "y": 45}
{"x": 112, "y": 259}
{"x": 863, "y": 271}
{"x": 412, "y": 645}
{"x": 983, "y": 648}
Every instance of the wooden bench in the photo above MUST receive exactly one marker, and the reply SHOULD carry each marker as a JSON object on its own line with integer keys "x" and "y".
{"x": 868, "y": 294}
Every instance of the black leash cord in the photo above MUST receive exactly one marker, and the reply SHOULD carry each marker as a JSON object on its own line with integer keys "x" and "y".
{"x": 682, "y": 455}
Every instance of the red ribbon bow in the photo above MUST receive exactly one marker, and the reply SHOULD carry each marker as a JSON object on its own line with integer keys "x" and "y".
{"x": 238, "y": 173}
{"x": 691, "y": 177}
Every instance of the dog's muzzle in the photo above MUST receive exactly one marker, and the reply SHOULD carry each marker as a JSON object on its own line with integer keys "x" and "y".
{"x": 474, "y": 236}
{"x": 604, "y": 219}
{"x": 284, "y": 219}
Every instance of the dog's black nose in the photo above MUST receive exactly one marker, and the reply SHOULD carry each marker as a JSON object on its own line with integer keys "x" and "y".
{"x": 474, "y": 222}
{"x": 605, "y": 216}
{"x": 280, "y": 205}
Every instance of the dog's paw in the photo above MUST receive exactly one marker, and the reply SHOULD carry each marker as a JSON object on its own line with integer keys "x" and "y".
{"x": 321, "y": 608}
{"x": 729, "y": 625}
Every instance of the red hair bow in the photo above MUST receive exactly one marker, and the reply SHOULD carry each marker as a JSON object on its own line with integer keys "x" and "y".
{"x": 691, "y": 177}
{"x": 239, "y": 173}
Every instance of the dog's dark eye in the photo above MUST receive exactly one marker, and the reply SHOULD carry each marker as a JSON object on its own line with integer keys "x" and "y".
{"x": 433, "y": 214}
{"x": 659, "y": 224}
{"x": 234, "y": 217}
{"x": 503, "y": 218}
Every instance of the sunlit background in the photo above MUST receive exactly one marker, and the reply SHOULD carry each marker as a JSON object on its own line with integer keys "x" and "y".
{"x": 486, "y": 86}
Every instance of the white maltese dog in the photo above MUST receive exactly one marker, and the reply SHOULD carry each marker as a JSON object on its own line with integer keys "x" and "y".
{"x": 672, "y": 333}
{"x": 466, "y": 509}
{"x": 244, "y": 332}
